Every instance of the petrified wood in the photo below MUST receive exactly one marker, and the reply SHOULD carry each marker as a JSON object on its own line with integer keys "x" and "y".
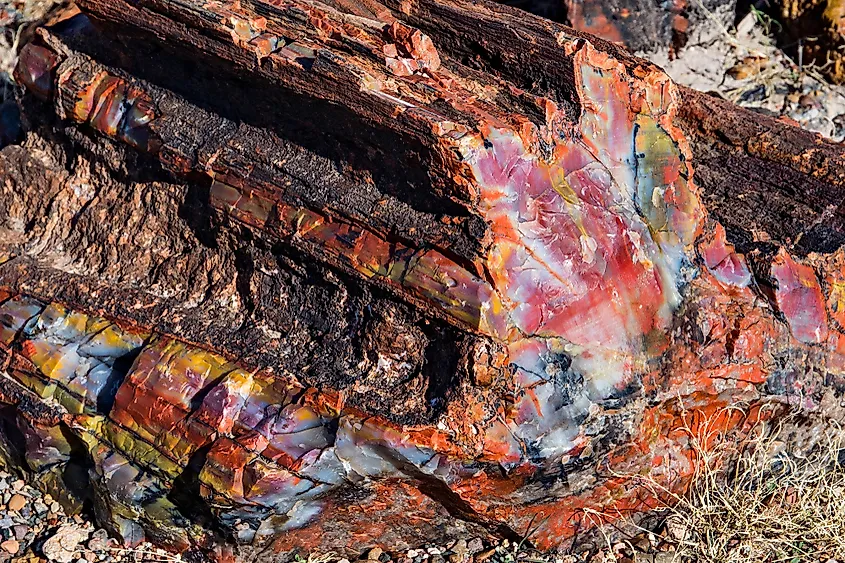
{"x": 283, "y": 277}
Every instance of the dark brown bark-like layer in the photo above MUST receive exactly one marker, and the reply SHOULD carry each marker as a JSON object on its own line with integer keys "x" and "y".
{"x": 765, "y": 179}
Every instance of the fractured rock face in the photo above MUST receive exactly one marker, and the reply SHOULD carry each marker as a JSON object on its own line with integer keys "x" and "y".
{"x": 376, "y": 304}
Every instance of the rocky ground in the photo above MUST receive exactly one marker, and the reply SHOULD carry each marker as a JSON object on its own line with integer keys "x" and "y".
{"x": 745, "y": 66}
{"x": 34, "y": 528}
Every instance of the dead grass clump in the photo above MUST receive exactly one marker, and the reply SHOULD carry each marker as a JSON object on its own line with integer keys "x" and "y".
{"x": 772, "y": 505}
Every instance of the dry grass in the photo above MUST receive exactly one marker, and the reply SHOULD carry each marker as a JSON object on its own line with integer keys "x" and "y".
{"x": 146, "y": 554}
{"x": 772, "y": 505}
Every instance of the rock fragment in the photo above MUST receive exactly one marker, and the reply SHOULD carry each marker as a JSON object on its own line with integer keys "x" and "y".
{"x": 62, "y": 546}
{"x": 16, "y": 502}
{"x": 548, "y": 316}
{"x": 10, "y": 546}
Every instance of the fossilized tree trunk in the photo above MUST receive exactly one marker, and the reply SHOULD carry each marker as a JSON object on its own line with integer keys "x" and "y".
{"x": 289, "y": 275}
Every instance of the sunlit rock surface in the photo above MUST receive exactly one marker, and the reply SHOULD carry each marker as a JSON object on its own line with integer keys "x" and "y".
{"x": 611, "y": 321}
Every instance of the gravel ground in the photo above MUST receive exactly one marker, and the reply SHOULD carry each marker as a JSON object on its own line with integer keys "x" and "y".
{"x": 744, "y": 66}
{"x": 34, "y": 528}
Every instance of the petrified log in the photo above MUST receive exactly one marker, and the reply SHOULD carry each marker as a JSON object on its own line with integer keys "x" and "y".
{"x": 283, "y": 275}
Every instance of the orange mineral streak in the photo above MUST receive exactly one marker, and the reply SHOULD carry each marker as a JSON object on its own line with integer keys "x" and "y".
{"x": 392, "y": 513}
{"x": 409, "y": 51}
{"x": 834, "y": 268}
{"x": 665, "y": 457}
{"x": 728, "y": 345}
{"x": 832, "y": 272}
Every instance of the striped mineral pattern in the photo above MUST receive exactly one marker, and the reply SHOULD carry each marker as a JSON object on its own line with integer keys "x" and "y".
{"x": 606, "y": 320}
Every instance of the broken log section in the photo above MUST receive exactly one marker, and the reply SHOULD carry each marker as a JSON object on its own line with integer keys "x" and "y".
{"x": 283, "y": 275}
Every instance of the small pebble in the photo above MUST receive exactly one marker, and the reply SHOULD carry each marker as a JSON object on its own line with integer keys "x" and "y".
{"x": 459, "y": 546}
{"x": 18, "y": 485}
{"x": 17, "y": 502}
{"x": 62, "y": 546}
{"x": 98, "y": 543}
{"x": 374, "y": 554}
{"x": 10, "y": 546}
{"x": 485, "y": 555}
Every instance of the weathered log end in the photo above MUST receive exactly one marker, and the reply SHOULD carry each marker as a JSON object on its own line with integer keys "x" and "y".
{"x": 282, "y": 277}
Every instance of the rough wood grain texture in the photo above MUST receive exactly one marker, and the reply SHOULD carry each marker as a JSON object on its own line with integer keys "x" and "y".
{"x": 765, "y": 180}
{"x": 287, "y": 276}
